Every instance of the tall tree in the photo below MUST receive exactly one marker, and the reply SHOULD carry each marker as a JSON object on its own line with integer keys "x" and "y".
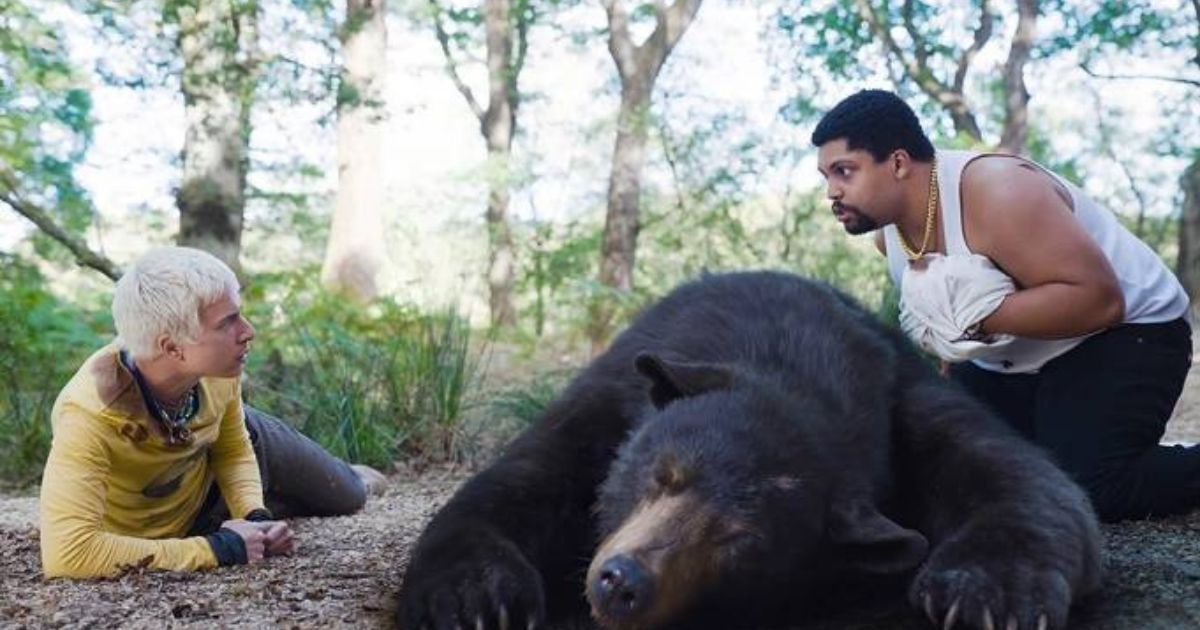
{"x": 638, "y": 66}
{"x": 1016, "y": 97}
{"x": 356, "y": 251}
{"x": 506, "y": 25}
{"x": 1189, "y": 229}
{"x": 218, "y": 42}
{"x": 1131, "y": 34}
{"x": 1188, "y": 264}
{"x": 915, "y": 62}
{"x": 922, "y": 55}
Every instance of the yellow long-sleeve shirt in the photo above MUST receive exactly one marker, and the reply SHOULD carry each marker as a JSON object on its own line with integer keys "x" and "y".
{"x": 114, "y": 492}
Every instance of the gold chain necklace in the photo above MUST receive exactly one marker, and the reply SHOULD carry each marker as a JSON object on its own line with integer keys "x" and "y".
{"x": 930, "y": 211}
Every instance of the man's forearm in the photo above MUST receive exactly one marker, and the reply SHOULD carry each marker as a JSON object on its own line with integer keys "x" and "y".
{"x": 102, "y": 554}
{"x": 1056, "y": 311}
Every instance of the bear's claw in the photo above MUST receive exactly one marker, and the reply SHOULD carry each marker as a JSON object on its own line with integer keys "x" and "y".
{"x": 1024, "y": 596}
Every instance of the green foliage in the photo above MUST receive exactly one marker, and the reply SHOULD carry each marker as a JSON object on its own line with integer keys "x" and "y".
{"x": 348, "y": 96}
{"x": 516, "y": 407}
{"x": 43, "y": 339}
{"x": 1122, "y": 25}
{"x": 463, "y": 24}
{"x": 45, "y": 118}
{"x": 1041, "y": 150}
{"x": 829, "y": 44}
{"x": 718, "y": 217}
{"x": 715, "y": 216}
{"x": 557, "y": 265}
{"x": 368, "y": 383}
{"x": 832, "y": 34}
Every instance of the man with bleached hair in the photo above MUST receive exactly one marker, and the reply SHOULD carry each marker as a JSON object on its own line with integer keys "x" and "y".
{"x": 155, "y": 461}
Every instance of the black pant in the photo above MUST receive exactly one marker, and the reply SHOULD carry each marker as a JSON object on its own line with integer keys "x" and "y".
{"x": 299, "y": 478}
{"x": 1100, "y": 410}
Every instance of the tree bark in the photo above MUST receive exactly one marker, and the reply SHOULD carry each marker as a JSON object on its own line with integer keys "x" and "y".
{"x": 1188, "y": 265}
{"x": 506, "y": 46}
{"x": 1016, "y": 96}
{"x": 638, "y": 67}
{"x": 498, "y": 125}
{"x": 218, "y": 41}
{"x": 356, "y": 252}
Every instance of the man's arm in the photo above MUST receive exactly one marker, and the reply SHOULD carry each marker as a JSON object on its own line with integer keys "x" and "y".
{"x": 72, "y": 504}
{"x": 234, "y": 463}
{"x": 1020, "y": 218}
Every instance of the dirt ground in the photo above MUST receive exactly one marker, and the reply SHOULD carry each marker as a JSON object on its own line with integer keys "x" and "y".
{"x": 347, "y": 571}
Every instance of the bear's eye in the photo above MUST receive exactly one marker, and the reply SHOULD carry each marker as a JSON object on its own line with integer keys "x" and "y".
{"x": 671, "y": 476}
{"x": 783, "y": 483}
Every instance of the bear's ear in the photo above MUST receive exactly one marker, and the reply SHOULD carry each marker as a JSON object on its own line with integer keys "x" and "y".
{"x": 870, "y": 542}
{"x": 670, "y": 380}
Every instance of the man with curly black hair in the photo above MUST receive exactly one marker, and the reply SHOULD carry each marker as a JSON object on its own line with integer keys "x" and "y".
{"x": 1046, "y": 307}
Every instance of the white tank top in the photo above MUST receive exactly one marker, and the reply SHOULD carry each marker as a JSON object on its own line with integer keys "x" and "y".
{"x": 1152, "y": 293}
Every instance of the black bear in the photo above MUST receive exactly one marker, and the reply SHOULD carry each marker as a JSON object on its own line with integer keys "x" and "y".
{"x": 751, "y": 437}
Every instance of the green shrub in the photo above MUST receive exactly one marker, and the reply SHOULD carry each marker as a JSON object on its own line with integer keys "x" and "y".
{"x": 516, "y": 407}
{"x": 370, "y": 383}
{"x": 43, "y": 340}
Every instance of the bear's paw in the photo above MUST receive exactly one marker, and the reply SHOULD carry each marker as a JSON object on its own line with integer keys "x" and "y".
{"x": 481, "y": 585}
{"x": 1004, "y": 594}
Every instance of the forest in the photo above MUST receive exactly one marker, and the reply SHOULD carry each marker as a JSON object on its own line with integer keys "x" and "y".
{"x": 440, "y": 210}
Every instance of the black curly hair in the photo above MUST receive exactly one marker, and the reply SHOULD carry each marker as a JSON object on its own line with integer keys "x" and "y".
{"x": 876, "y": 121}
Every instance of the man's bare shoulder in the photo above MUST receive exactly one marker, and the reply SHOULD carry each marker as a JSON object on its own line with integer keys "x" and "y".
{"x": 1006, "y": 198}
{"x": 999, "y": 187}
{"x": 1004, "y": 176}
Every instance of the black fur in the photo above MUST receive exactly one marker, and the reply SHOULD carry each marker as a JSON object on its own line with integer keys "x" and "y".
{"x": 795, "y": 412}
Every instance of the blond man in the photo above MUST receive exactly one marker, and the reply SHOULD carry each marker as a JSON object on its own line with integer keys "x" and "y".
{"x": 154, "y": 458}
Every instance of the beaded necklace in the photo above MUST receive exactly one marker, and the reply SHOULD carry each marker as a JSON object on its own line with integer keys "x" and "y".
{"x": 174, "y": 422}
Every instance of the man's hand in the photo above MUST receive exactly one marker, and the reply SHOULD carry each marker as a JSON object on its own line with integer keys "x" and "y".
{"x": 253, "y": 535}
{"x": 278, "y": 538}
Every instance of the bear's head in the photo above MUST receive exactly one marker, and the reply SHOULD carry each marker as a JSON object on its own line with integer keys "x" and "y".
{"x": 728, "y": 486}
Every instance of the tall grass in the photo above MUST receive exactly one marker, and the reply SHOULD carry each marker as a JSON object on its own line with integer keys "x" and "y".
{"x": 371, "y": 384}
{"x": 434, "y": 374}
{"x": 519, "y": 406}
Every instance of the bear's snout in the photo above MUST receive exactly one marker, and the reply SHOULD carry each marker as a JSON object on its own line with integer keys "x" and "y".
{"x": 622, "y": 588}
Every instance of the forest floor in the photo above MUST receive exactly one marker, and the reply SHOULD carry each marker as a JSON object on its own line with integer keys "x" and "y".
{"x": 347, "y": 571}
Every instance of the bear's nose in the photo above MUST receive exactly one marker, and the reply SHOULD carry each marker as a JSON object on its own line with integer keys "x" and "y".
{"x": 622, "y": 588}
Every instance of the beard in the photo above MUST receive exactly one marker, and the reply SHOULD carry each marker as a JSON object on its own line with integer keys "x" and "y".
{"x": 854, "y": 220}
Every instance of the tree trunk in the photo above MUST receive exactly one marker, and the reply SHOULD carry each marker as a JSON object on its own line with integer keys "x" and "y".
{"x": 218, "y": 42}
{"x": 356, "y": 251}
{"x": 498, "y": 126}
{"x": 1188, "y": 265}
{"x": 915, "y": 63}
{"x": 638, "y": 67}
{"x": 960, "y": 114}
{"x": 1016, "y": 97}
{"x": 618, "y": 250}
{"x": 618, "y": 247}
